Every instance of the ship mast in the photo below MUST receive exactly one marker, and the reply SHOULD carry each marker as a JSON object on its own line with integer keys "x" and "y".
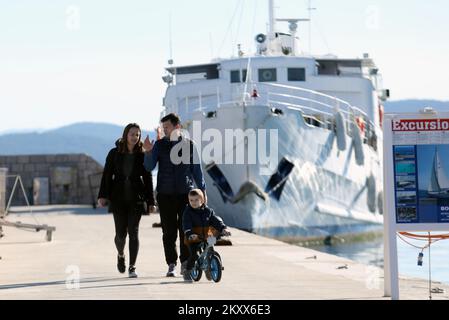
{"x": 271, "y": 17}
{"x": 310, "y": 25}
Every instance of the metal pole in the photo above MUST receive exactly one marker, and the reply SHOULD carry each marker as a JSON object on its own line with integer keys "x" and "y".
{"x": 430, "y": 272}
{"x": 187, "y": 106}
{"x": 170, "y": 38}
{"x": 271, "y": 16}
{"x": 310, "y": 25}
{"x": 23, "y": 190}
{"x": 218, "y": 97}
{"x": 391, "y": 276}
{"x": 12, "y": 194}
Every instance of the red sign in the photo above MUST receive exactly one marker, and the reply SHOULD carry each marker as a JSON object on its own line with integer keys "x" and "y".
{"x": 421, "y": 125}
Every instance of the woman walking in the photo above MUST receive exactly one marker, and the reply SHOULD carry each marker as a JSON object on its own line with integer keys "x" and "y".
{"x": 128, "y": 189}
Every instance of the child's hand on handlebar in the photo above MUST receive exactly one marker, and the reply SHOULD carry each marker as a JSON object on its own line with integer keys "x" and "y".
{"x": 225, "y": 232}
{"x": 152, "y": 209}
{"x": 102, "y": 202}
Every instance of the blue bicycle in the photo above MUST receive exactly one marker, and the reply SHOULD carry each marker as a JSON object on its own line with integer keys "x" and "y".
{"x": 208, "y": 262}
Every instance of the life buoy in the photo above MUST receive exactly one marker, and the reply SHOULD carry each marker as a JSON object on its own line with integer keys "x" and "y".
{"x": 358, "y": 144}
{"x": 260, "y": 38}
{"x": 381, "y": 115}
{"x": 340, "y": 131}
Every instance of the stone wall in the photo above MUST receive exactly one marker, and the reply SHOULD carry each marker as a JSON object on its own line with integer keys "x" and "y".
{"x": 53, "y": 179}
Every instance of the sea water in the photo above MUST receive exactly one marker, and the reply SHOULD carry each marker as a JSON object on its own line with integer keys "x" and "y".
{"x": 371, "y": 252}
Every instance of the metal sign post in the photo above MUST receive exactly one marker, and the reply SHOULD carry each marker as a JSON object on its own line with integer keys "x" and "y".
{"x": 416, "y": 185}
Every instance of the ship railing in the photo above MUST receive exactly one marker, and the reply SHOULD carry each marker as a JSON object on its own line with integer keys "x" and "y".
{"x": 187, "y": 106}
{"x": 316, "y": 107}
{"x": 272, "y": 93}
{"x": 320, "y": 106}
{"x": 316, "y": 101}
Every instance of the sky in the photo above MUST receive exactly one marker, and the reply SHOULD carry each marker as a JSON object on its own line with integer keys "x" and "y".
{"x": 102, "y": 60}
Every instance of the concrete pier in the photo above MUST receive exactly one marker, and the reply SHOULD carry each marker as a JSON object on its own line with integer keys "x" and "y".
{"x": 80, "y": 263}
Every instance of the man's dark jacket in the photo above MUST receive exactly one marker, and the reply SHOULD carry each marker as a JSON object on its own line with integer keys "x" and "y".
{"x": 175, "y": 178}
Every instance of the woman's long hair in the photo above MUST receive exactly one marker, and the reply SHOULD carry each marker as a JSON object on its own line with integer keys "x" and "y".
{"x": 123, "y": 142}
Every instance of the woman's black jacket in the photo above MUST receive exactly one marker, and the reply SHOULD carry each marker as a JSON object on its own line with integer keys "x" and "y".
{"x": 111, "y": 187}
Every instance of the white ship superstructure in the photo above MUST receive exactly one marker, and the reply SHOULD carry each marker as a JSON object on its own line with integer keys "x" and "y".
{"x": 327, "y": 177}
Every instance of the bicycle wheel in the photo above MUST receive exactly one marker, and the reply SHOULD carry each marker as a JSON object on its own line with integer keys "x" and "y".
{"x": 208, "y": 274}
{"x": 215, "y": 268}
{"x": 196, "y": 273}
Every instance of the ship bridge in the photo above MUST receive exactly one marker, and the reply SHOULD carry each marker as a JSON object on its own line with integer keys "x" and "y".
{"x": 228, "y": 82}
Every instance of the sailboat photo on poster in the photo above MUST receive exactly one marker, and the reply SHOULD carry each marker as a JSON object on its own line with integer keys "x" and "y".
{"x": 433, "y": 182}
{"x": 439, "y": 181}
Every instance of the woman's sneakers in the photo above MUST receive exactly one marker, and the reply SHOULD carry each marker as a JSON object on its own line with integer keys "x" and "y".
{"x": 132, "y": 272}
{"x": 121, "y": 263}
{"x": 121, "y": 266}
{"x": 171, "y": 270}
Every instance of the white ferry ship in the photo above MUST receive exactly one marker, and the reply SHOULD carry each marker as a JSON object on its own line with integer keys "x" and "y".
{"x": 327, "y": 112}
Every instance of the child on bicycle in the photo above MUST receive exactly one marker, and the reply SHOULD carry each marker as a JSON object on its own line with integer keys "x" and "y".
{"x": 196, "y": 222}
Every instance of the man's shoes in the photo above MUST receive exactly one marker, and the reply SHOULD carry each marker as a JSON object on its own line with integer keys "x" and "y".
{"x": 187, "y": 276}
{"x": 121, "y": 264}
{"x": 171, "y": 270}
{"x": 183, "y": 267}
{"x": 132, "y": 272}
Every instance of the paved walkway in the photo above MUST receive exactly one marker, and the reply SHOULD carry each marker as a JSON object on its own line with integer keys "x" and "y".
{"x": 255, "y": 267}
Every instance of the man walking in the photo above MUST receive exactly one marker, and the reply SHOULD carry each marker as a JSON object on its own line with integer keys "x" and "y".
{"x": 177, "y": 175}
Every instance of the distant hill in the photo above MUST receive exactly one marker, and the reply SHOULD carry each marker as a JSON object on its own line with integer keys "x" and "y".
{"x": 402, "y": 106}
{"x": 94, "y": 139}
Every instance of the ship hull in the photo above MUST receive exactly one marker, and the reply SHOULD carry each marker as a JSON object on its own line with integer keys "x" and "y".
{"x": 325, "y": 194}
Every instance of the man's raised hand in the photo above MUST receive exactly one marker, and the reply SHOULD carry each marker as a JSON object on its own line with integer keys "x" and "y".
{"x": 147, "y": 144}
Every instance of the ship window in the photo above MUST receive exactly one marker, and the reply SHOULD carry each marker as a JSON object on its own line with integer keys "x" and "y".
{"x": 339, "y": 67}
{"x": 296, "y": 74}
{"x": 236, "y": 78}
{"x": 266, "y": 75}
{"x": 212, "y": 73}
{"x": 199, "y": 72}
